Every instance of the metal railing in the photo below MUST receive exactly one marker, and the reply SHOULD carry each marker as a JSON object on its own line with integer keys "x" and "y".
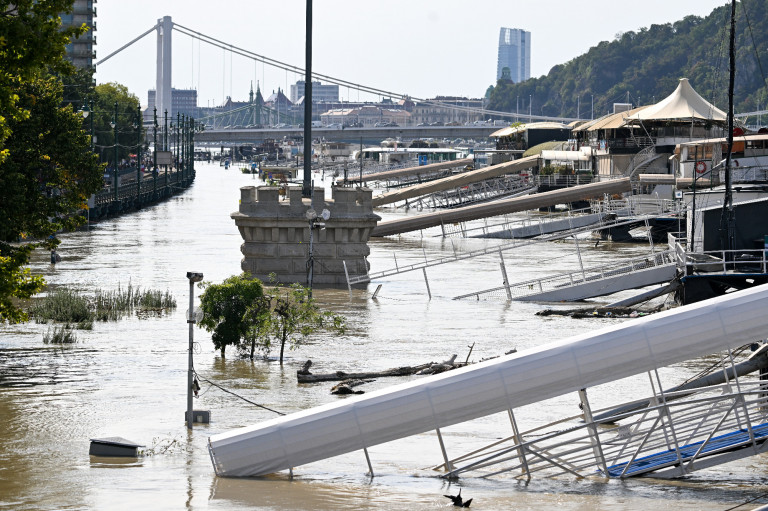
{"x": 722, "y": 261}
{"x": 494, "y": 225}
{"x": 567, "y": 180}
{"x": 473, "y": 193}
{"x": 672, "y": 431}
{"x": 131, "y": 190}
{"x": 604, "y": 223}
{"x": 574, "y": 278}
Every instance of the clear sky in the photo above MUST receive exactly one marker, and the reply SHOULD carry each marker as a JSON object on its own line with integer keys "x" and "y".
{"x": 423, "y": 48}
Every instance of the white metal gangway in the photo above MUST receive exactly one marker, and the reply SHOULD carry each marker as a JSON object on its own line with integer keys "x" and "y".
{"x": 587, "y": 283}
{"x": 720, "y": 423}
{"x": 602, "y": 223}
{"x": 670, "y": 434}
{"x": 515, "y": 226}
{"x": 473, "y": 193}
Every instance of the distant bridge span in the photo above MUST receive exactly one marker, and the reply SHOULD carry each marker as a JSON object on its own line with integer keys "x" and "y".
{"x": 350, "y": 135}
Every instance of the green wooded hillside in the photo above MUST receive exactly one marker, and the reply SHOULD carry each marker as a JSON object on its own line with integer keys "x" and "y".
{"x": 648, "y": 63}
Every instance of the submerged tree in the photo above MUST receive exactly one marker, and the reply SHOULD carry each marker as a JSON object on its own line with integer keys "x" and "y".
{"x": 239, "y": 314}
{"x": 231, "y": 309}
{"x": 294, "y": 317}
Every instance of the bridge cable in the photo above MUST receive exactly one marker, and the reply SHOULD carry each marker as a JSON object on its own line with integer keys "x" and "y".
{"x": 124, "y": 47}
{"x": 338, "y": 81}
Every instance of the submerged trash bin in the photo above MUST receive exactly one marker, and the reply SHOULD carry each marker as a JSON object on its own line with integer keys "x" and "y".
{"x": 114, "y": 446}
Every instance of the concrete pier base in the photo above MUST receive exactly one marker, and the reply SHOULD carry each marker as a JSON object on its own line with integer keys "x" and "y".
{"x": 276, "y": 233}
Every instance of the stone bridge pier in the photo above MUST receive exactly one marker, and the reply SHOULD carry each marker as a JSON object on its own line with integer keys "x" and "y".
{"x": 276, "y": 233}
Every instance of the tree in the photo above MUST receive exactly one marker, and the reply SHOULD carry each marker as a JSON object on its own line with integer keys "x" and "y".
{"x": 239, "y": 314}
{"x": 231, "y": 309}
{"x": 295, "y": 317}
{"x": 46, "y": 172}
{"x": 105, "y": 97}
{"x": 31, "y": 40}
{"x": 45, "y": 182}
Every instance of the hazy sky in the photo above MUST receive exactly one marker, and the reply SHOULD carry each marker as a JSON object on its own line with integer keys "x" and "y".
{"x": 417, "y": 47}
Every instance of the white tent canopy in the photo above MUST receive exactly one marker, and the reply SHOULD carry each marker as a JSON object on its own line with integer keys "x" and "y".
{"x": 683, "y": 104}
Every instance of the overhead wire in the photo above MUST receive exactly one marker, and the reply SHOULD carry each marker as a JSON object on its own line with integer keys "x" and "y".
{"x": 198, "y": 375}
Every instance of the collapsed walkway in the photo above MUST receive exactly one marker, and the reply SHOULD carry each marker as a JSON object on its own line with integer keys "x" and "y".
{"x": 500, "y": 207}
{"x": 532, "y": 376}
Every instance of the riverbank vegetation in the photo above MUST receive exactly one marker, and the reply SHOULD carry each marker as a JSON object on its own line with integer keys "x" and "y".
{"x": 61, "y": 334}
{"x": 66, "y": 305}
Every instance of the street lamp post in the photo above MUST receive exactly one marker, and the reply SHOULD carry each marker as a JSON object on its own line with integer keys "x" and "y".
{"x": 314, "y": 221}
{"x": 139, "y": 125}
{"x": 154, "y": 160}
{"x": 165, "y": 144}
{"x": 114, "y": 125}
{"x": 530, "y": 99}
{"x": 86, "y": 111}
{"x": 178, "y": 148}
{"x": 183, "y": 142}
{"x": 191, "y": 320}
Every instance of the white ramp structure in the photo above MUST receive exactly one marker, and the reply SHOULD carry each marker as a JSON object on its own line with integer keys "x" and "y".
{"x": 503, "y": 384}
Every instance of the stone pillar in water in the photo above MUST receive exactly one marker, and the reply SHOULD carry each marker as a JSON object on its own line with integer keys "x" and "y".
{"x": 276, "y": 233}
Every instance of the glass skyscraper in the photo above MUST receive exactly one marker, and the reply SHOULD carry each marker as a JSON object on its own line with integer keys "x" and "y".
{"x": 515, "y": 54}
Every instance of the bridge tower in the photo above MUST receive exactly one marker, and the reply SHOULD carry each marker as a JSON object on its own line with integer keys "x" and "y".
{"x": 164, "y": 60}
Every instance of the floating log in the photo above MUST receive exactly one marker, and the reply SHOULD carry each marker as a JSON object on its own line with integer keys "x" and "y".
{"x": 304, "y": 376}
{"x": 600, "y": 312}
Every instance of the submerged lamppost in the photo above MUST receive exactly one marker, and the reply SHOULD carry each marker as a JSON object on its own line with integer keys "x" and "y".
{"x": 191, "y": 320}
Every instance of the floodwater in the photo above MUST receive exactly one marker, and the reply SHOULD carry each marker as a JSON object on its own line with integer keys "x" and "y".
{"x": 128, "y": 379}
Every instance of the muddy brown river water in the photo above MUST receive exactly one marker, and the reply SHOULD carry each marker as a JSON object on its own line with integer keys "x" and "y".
{"x": 128, "y": 379}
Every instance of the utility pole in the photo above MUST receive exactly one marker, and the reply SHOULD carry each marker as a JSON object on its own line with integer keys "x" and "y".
{"x": 306, "y": 189}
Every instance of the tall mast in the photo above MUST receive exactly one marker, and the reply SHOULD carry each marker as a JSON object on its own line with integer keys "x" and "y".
{"x": 726, "y": 218}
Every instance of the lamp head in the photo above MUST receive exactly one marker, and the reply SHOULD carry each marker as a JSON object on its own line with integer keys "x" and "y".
{"x": 194, "y": 276}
